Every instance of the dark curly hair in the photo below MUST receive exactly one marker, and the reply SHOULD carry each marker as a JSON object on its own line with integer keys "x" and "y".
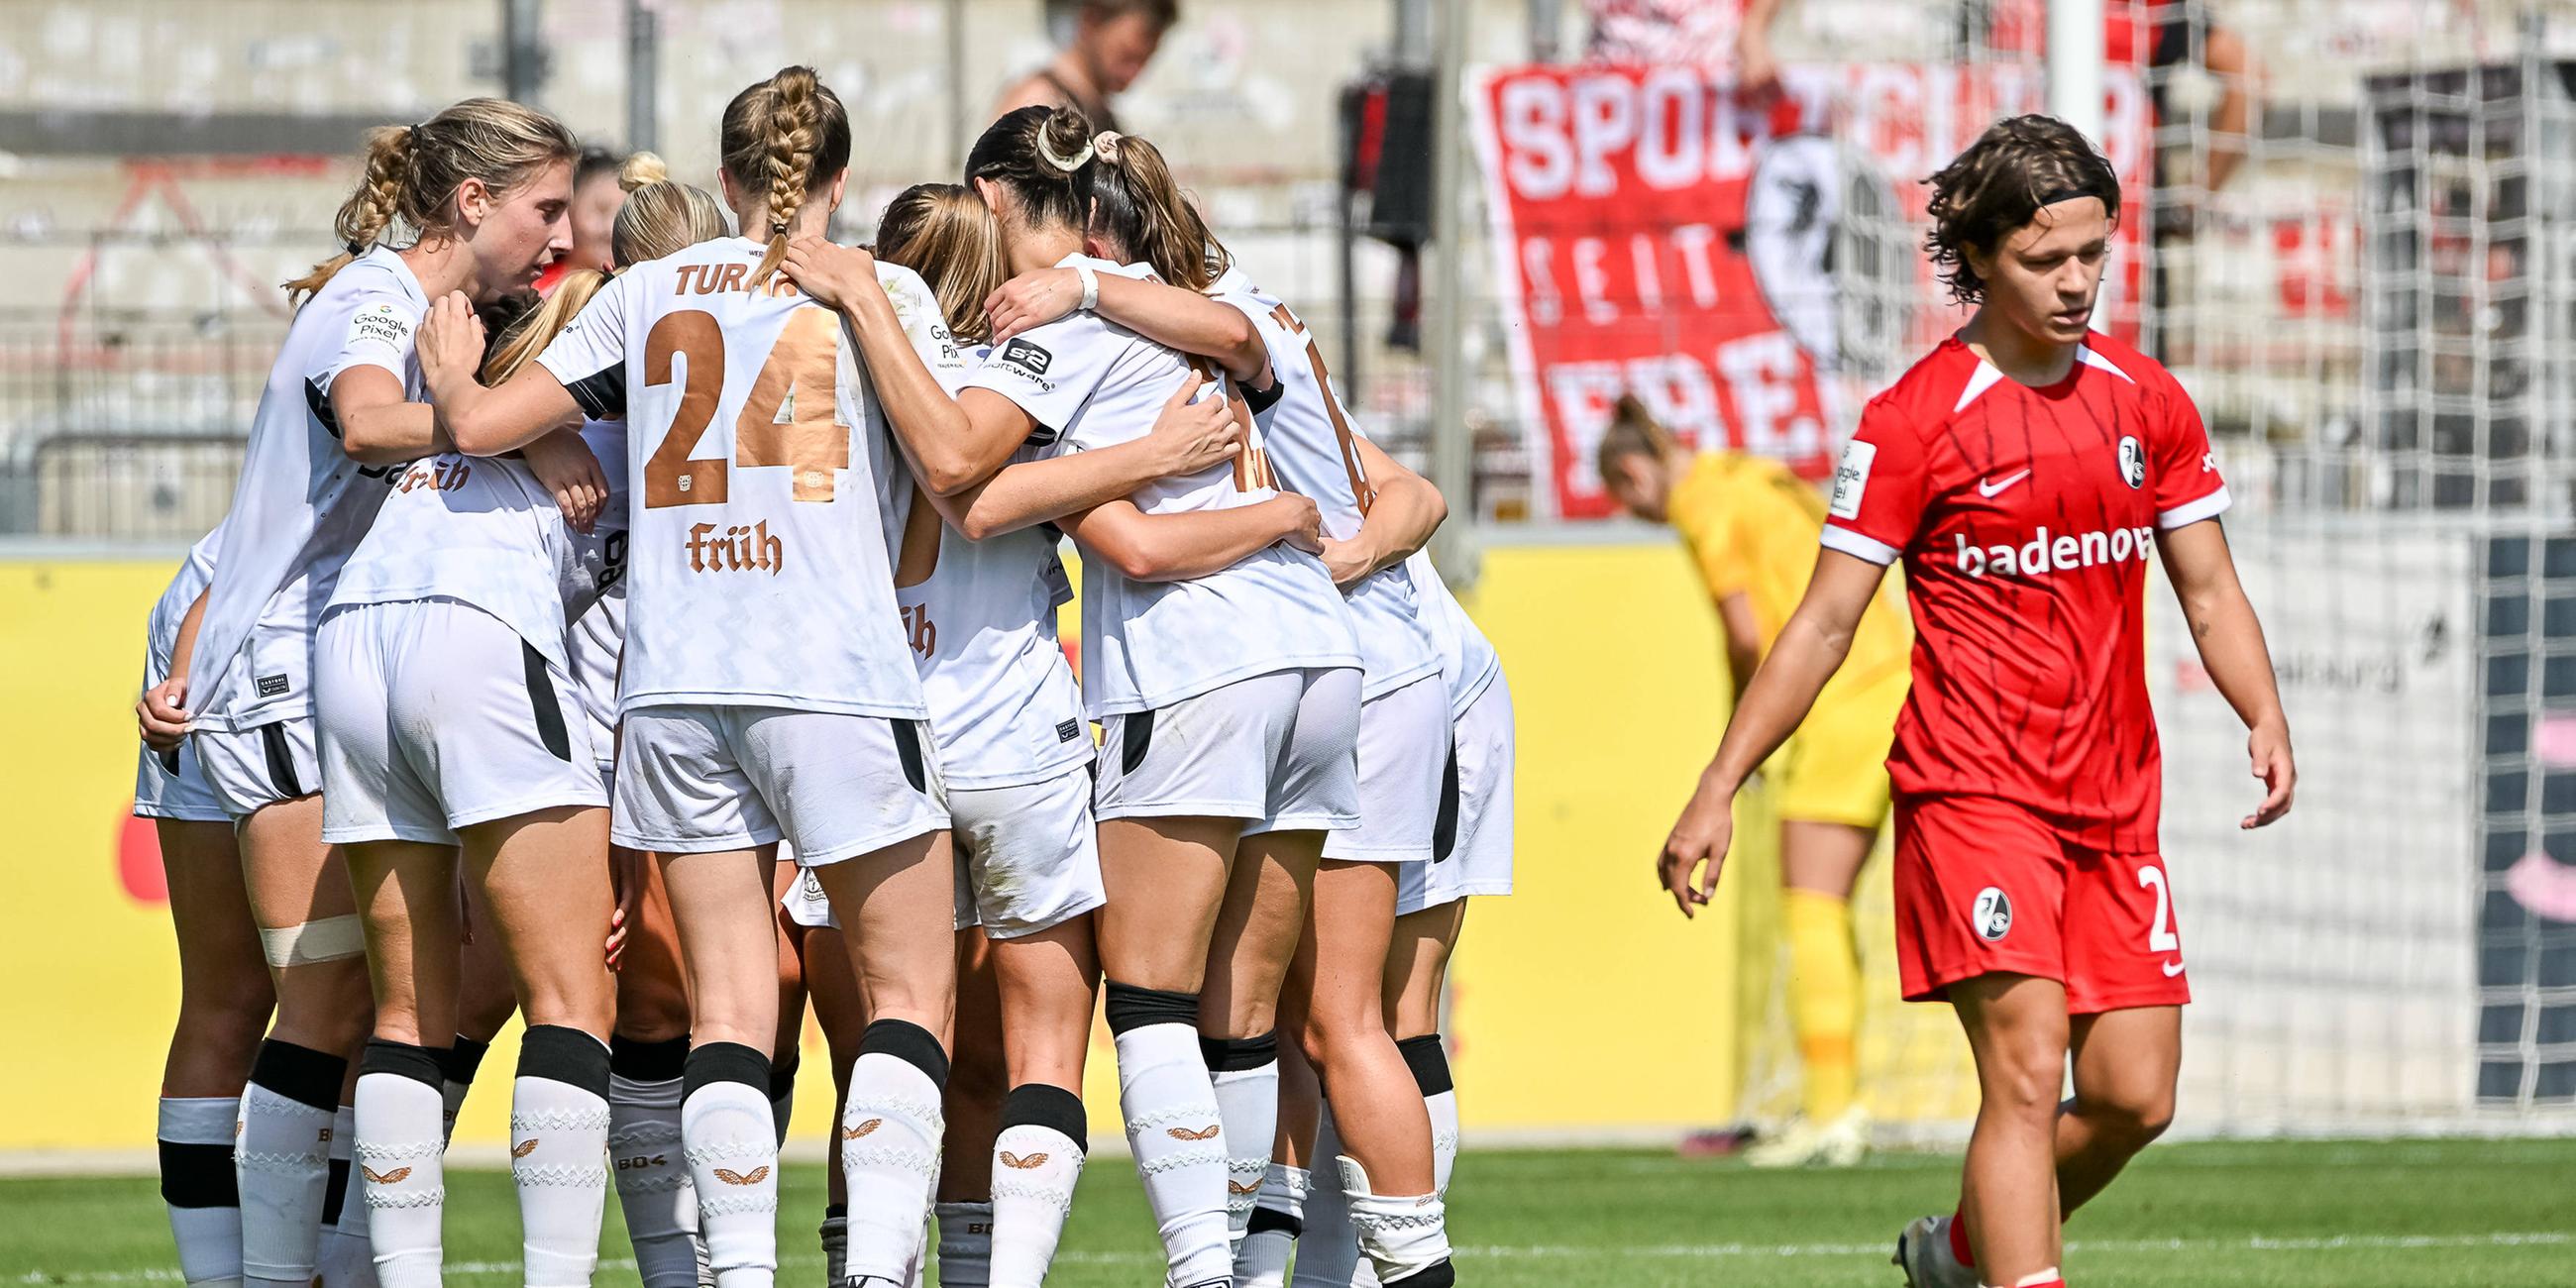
{"x": 2018, "y": 165}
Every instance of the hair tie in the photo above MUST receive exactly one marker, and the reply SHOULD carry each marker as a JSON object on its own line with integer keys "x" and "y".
{"x": 356, "y": 248}
{"x": 2055, "y": 195}
{"x": 1067, "y": 164}
{"x": 1105, "y": 144}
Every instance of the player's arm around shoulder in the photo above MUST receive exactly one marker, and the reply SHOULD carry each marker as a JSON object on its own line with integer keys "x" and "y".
{"x": 2230, "y": 639}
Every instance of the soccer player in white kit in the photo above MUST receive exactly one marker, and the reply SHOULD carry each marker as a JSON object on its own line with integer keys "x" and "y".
{"x": 1332, "y": 1002}
{"x": 980, "y": 614}
{"x": 486, "y": 184}
{"x": 1230, "y": 698}
{"x": 767, "y": 692}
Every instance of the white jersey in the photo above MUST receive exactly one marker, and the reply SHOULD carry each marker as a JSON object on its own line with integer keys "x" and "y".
{"x": 1090, "y": 383}
{"x": 594, "y": 587}
{"x": 161, "y": 632}
{"x": 1004, "y": 706}
{"x": 1468, "y": 662}
{"x": 302, "y": 504}
{"x": 765, "y": 495}
{"x": 1312, "y": 448}
{"x": 479, "y": 530}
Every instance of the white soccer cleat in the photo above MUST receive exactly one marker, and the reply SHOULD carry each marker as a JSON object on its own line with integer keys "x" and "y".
{"x": 1840, "y": 1143}
{"x": 1923, "y": 1253}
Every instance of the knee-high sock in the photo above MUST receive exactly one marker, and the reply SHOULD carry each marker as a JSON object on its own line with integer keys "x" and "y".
{"x": 402, "y": 1172}
{"x": 1037, "y": 1159}
{"x": 1328, "y": 1253}
{"x": 1278, "y": 1214}
{"x": 457, "y": 1066}
{"x": 1174, "y": 1128}
{"x": 835, "y": 1233}
{"x": 645, "y": 1155}
{"x": 282, "y": 1162}
{"x": 1824, "y": 998}
{"x": 890, "y": 1133}
{"x": 732, "y": 1148}
{"x": 782, "y": 1097}
{"x": 348, "y": 1258}
{"x": 1428, "y": 1057}
{"x": 197, "y": 1186}
{"x": 965, "y": 1244}
{"x": 1245, "y": 1072}
{"x": 558, "y": 1153}
{"x": 1404, "y": 1236}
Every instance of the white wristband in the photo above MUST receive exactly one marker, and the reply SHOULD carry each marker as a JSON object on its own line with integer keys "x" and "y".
{"x": 1090, "y": 286}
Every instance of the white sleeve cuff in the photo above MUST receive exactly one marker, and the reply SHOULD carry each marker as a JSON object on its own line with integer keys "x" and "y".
{"x": 1860, "y": 547}
{"x": 2190, "y": 512}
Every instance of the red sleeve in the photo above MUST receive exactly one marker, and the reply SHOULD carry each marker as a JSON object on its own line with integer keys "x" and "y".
{"x": 1878, "y": 488}
{"x": 2188, "y": 487}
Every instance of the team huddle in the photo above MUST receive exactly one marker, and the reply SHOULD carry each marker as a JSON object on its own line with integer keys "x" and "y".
{"x": 538, "y": 633}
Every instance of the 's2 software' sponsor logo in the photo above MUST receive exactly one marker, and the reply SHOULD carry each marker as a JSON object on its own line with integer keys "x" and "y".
{"x": 1029, "y": 361}
{"x": 2062, "y": 553}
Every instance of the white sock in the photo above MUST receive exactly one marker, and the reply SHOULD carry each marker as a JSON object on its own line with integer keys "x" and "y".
{"x": 282, "y": 1161}
{"x": 195, "y": 1137}
{"x": 836, "y": 1244}
{"x": 1037, "y": 1160}
{"x": 965, "y": 1245}
{"x": 652, "y": 1172}
{"x": 348, "y": 1256}
{"x": 1245, "y": 1073}
{"x": 558, "y": 1153}
{"x": 1261, "y": 1260}
{"x": 402, "y": 1172}
{"x": 890, "y": 1133}
{"x": 732, "y": 1148}
{"x": 1401, "y": 1235}
{"x": 1428, "y": 1057}
{"x": 1328, "y": 1253}
{"x": 1174, "y": 1128}
{"x": 457, "y": 1066}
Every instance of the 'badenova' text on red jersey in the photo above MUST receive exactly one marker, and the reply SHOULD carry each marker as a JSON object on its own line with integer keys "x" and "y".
{"x": 2026, "y": 517}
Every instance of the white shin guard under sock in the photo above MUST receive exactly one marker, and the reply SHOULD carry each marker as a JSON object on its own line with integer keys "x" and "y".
{"x": 1428, "y": 1057}
{"x": 282, "y": 1161}
{"x": 965, "y": 1244}
{"x": 1278, "y": 1214}
{"x": 1245, "y": 1075}
{"x": 890, "y": 1135}
{"x": 1037, "y": 1160}
{"x": 559, "y": 1120}
{"x": 652, "y": 1171}
{"x": 732, "y": 1150}
{"x": 400, "y": 1162}
{"x": 1176, "y": 1133}
{"x": 348, "y": 1256}
{"x": 1328, "y": 1251}
{"x": 195, "y": 1137}
{"x": 1405, "y": 1237}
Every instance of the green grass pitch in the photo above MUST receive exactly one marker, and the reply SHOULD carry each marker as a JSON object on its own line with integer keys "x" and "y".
{"x": 2414, "y": 1214}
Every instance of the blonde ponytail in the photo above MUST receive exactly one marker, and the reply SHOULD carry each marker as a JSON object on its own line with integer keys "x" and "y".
{"x": 785, "y": 138}
{"x": 530, "y": 335}
{"x": 370, "y": 210}
{"x": 412, "y": 172}
{"x": 944, "y": 232}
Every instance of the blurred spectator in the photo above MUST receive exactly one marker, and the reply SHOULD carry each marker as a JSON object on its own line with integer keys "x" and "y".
{"x": 1712, "y": 34}
{"x": 1112, "y": 42}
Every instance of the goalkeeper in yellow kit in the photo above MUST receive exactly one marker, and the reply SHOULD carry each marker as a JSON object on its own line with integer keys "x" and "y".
{"x": 1752, "y": 530}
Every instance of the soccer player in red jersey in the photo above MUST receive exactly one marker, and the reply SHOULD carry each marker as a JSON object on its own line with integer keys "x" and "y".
{"x": 2023, "y": 472}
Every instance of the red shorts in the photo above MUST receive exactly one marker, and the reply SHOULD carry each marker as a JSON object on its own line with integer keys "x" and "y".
{"x": 1985, "y": 886}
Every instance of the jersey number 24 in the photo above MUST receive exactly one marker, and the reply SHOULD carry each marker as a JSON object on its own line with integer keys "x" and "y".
{"x": 801, "y": 375}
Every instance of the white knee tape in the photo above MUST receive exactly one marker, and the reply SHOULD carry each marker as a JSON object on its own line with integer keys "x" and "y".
{"x": 331, "y": 939}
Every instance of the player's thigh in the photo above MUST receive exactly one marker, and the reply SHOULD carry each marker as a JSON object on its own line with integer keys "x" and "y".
{"x": 2127, "y": 1062}
{"x": 720, "y": 903}
{"x": 897, "y": 909}
{"x": 291, "y": 875}
{"x": 652, "y": 990}
{"x": 2017, "y": 1032}
{"x": 544, "y": 876}
{"x": 1823, "y": 857}
{"x": 1166, "y": 880}
{"x": 832, "y": 985}
{"x": 406, "y": 892}
{"x": 1417, "y": 966}
{"x": 979, "y": 1027}
{"x": 219, "y": 953}
{"x": 1257, "y": 931}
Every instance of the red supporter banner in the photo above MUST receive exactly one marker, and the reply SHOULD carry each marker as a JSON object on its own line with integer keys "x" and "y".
{"x": 1750, "y": 273}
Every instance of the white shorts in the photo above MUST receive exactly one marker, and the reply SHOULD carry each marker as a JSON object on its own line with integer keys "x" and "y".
{"x": 1403, "y": 750}
{"x": 1478, "y": 856}
{"x": 172, "y": 785}
{"x": 1276, "y": 750}
{"x": 1028, "y": 857}
{"x": 247, "y": 769}
{"x": 435, "y": 715}
{"x": 697, "y": 779}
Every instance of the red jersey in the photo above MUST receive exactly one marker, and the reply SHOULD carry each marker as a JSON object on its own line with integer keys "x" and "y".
{"x": 2026, "y": 518}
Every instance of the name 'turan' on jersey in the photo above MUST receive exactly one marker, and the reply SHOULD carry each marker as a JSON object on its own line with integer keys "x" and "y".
{"x": 2026, "y": 518}
{"x": 766, "y": 496}
{"x": 301, "y": 505}
{"x": 1090, "y": 383}
{"x": 1310, "y": 445}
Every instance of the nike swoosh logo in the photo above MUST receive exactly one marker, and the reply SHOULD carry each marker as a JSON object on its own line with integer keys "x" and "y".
{"x": 1991, "y": 490}
{"x": 2172, "y": 969}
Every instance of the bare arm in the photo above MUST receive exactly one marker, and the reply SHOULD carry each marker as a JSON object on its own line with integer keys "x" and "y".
{"x": 1186, "y": 438}
{"x": 161, "y": 715}
{"x": 378, "y": 424}
{"x": 1810, "y": 649}
{"x": 483, "y": 421}
{"x": 1406, "y": 510}
{"x": 1757, "y": 71}
{"x": 1179, "y": 547}
{"x": 2230, "y": 640}
{"x": 1743, "y": 633}
{"x": 1169, "y": 316}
